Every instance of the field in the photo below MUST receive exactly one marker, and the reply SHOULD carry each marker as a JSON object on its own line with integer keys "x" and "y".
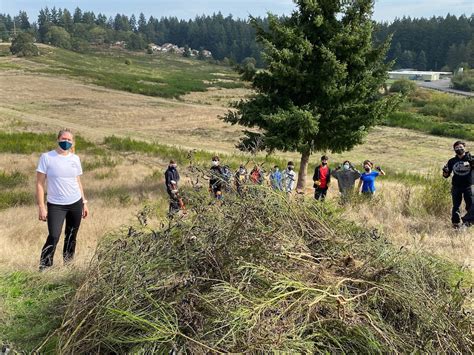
{"x": 126, "y": 140}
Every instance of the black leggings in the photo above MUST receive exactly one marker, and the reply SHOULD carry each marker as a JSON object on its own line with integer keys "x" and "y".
{"x": 56, "y": 216}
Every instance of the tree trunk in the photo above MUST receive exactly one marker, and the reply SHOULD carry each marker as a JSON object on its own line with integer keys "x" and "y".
{"x": 300, "y": 187}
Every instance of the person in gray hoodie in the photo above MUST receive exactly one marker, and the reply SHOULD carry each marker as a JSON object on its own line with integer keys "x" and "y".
{"x": 346, "y": 177}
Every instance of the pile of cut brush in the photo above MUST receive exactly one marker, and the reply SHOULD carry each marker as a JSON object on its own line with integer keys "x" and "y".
{"x": 261, "y": 273}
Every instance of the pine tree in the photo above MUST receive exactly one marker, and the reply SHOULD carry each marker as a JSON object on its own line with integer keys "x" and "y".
{"x": 421, "y": 61}
{"x": 320, "y": 91}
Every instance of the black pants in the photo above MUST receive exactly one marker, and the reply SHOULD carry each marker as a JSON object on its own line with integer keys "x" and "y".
{"x": 56, "y": 216}
{"x": 320, "y": 194}
{"x": 458, "y": 193}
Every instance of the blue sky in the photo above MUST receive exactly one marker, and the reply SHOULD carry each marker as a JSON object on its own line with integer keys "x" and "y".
{"x": 385, "y": 10}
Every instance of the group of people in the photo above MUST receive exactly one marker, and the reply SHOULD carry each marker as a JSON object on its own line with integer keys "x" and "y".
{"x": 221, "y": 179}
{"x": 60, "y": 170}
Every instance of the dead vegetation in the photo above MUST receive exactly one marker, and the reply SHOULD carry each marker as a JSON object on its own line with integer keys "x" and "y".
{"x": 262, "y": 273}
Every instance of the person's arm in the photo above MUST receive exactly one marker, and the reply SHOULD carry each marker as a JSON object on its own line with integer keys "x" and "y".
{"x": 85, "y": 209}
{"x": 40, "y": 182}
{"x": 447, "y": 170}
{"x": 379, "y": 169}
{"x": 359, "y": 186}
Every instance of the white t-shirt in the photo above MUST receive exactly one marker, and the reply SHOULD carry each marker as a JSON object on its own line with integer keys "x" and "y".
{"x": 61, "y": 175}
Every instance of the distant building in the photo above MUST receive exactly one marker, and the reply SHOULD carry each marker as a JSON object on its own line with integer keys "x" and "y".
{"x": 417, "y": 75}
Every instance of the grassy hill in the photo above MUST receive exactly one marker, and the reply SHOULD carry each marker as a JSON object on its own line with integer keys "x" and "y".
{"x": 162, "y": 75}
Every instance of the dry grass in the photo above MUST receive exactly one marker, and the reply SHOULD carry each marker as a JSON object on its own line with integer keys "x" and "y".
{"x": 43, "y": 103}
{"x": 115, "y": 195}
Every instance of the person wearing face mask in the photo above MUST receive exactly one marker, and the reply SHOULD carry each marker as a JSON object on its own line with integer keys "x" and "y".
{"x": 61, "y": 169}
{"x": 346, "y": 178}
{"x": 322, "y": 179}
{"x": 367, "y": 178}
{"x": 276, "y": 179}
{"x": 171, "y": 181}
{"x": 462, "y": 168}
{"x": 289, "y": 178}
{"x": 216, "y": 180}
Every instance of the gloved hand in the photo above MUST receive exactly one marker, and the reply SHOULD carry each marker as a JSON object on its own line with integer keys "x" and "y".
{"x": 317, "y": 182}
{"x": 378, "y": 168}
{"x": 445, "y": 169}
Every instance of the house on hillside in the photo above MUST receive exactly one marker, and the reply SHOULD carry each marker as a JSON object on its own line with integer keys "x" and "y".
{"x": 206, "y": 53}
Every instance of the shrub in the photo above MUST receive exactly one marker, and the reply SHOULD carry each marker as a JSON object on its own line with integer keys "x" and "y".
{"x": 261, "y": 274}
{"x": 435, "y": 197}
{"x": 403, "y": 86}
{"x": 23, "y": 46}
{"x": 464, "y": 81}
{"x": 128, "y": 61}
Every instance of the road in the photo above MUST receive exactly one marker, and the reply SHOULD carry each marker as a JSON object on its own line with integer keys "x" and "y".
{"x": 443, "y": 85}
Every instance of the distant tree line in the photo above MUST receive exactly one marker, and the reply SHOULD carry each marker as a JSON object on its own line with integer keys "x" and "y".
{"x": 424, "y": 44}
{"x": 430, "y": 44}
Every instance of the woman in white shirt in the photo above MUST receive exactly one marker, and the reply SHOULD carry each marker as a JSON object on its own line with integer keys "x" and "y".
{"x": 61, "y": 169}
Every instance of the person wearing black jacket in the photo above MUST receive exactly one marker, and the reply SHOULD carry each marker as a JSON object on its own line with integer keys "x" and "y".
{"x": 171, "y": 181}
{"x": 462, "y": 184}
{"x": 216, "y": 180}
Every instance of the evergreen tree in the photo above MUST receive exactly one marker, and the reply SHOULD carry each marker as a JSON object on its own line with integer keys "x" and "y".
{"x": 421, "y": 61}
{"x": 23, "y": 21}
{"x": 320, "y": 91}
{"x": 142, "y": 23}
{"x": 23, "y": 46}
{"x": 77, "y": 17}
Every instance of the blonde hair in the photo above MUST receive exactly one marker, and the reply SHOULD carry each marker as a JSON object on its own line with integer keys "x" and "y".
{"x": 67, "y": 130}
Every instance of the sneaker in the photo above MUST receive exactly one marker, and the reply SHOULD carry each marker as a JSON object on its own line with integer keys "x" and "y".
{"x": 457, "y": 225}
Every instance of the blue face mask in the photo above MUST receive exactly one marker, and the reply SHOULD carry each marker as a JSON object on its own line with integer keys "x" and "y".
{"x": 65, "y": 145}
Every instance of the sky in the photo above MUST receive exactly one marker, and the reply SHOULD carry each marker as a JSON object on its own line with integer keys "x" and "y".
{"x": 385, "y": 10}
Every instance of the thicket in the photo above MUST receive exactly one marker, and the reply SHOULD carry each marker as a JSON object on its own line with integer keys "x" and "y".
{"x": 464, "y": 80}
{"x": 260, "y": 273}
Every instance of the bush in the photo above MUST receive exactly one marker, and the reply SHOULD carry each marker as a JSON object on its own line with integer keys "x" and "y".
{"x": 23, "y": 46}
{"x": 435, "y": 197}
{"x": 58, "y": 37}
{"x": 261, "y": 274}
{"x": 403, "y": 86}
{"x": 464, "y": 81}
{"x": 128, "y": 61}
{"x": 464, "y": 113}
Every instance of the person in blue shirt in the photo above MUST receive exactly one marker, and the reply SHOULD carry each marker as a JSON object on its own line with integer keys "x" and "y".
{"x": 275, "y": 179}
{"x": 367, "y": 178}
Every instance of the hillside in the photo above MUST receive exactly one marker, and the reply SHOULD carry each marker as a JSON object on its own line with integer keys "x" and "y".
{"x": 125, "y": 142}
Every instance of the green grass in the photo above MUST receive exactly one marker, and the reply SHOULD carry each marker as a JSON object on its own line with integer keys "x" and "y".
{"x": 435, "y": 113}
{"x": 15, "y": 198}
{"x": 430, "y": 125}
{"x": 28, "y": 143}
{"x": 11, "y": 180}
{"x": 32, "y": 307}
{"x": 184, "y": 156}
{"x": 167, "y": 76}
